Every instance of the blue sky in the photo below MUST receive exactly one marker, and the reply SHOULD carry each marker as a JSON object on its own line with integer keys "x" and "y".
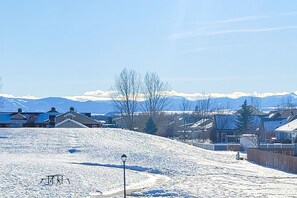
{"x": 67, "y": 48}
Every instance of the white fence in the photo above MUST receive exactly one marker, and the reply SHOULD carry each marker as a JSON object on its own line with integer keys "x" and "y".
{"x": 217, "y": 147}
{"x": 277, "y": 146}
{"x": 235, "y": 147}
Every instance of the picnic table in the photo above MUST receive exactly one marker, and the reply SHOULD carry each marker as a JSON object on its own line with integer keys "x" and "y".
{"x": 51, "y": 179}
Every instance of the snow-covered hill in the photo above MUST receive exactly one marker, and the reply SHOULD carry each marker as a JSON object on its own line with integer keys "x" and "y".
{"x": 156, "y": 166}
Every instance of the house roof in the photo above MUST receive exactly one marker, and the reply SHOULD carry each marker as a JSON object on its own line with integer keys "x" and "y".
{"x": 203, "y": 123}
{"x": 290, "y": 127}
{"x": 286, "y": 112}
{"x": 228, "y": 122}
{"x": 255, "y": 111}
{"x": 225, "y": 122}
{"x": 70, "y": 123}
{"x": 18, "y": 116}
{"x": 274, "y": 115}
{"x": 270, "y": 125}
{"x": 77, "y": 117}
{"x": 42, "y": 117}
{"x": 291, "y": 118}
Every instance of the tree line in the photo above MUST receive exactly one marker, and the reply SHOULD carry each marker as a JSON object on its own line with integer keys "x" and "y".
{"x": 141, "y": 101}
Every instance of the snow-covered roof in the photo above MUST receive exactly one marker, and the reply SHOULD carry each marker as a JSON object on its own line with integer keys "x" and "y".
{"x": 203, "y": 123}
{"x": 290, "y": 127}
{"x": 78, "y": 117}
{"x": 18, "y": 116}
{"x": 209, "y": 125}
{"x": 70, "y": 123}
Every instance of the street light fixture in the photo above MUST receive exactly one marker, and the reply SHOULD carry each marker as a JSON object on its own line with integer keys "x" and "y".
{"x": 124, "y": 158}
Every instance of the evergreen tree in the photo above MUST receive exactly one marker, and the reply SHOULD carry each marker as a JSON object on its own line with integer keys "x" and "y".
{"x": 213, "y": 136}
{"x": 150, "y": 126}
{"x": 245, "y": 118}
{"x": 109, "y": 120}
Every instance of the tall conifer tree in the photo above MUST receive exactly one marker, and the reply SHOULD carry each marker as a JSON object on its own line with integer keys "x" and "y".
{"x": 245, "y": 118}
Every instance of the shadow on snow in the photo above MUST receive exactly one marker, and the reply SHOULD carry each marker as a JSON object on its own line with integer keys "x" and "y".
{"x": 133, "y": 168}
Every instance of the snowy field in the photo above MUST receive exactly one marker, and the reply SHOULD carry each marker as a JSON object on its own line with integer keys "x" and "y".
{"x": 156, "y": 167}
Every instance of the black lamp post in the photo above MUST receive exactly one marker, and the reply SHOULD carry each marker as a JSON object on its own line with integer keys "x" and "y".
{"x": 124, "y": 157}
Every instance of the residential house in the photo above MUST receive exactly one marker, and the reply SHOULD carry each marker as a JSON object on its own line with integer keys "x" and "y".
{"x": 268, "y": 126}
{"x": 225, "y": 127}
{"x": 25, "y": 119}
{"x": 288, "y": 132}
{"x": 274, "y": 120}
{"x": 48, "y": 119}
{"x": 201, "y": 129}
{"x": 72, "y": 119}
{"x": 284, "y": 113}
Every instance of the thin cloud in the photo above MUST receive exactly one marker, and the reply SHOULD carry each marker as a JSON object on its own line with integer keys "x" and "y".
{"x": 19, "y": 97}
{"x": 96, "y": 95}
{"x": 230, "y": 31}
{"x": 234, "y": 95}
{"x": 211, "y": 24}
{"x": 203, "y": 27}
{"x": 238, "y": 19}
{"x": 250, "y": 30}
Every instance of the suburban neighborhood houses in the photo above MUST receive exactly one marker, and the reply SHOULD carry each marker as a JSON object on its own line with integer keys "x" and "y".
{"x": 50, "y": 119}
{"x": 268, "y": 138}
{"x": 277, "y": 126}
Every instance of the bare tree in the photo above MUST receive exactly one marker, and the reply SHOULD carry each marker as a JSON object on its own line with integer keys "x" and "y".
{"x": 289, "y": 103}
{"x": 126, "y": 95}
{"x": 155, "y": 94}
{"x": 170, "y": 128}
{"x": 203, "y": 107}
{"x": 222, "y": 109}
{"x": 255, "y": 102}
{"x": 185, "y": 107}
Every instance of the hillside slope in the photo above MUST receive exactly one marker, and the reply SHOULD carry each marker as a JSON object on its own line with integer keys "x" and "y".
{"x": 156, "y": 166}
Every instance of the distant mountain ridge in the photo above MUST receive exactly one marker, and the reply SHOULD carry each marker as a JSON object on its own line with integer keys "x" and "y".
{"x": 105, "y": 106}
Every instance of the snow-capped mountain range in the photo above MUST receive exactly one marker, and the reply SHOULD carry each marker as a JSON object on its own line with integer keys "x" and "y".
{"x": 105, "y": 106}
